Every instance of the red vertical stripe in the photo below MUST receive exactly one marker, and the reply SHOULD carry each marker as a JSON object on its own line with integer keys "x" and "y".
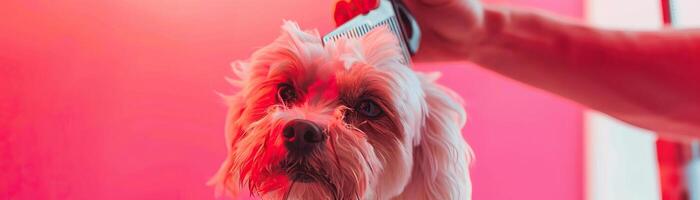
{"x": 670, "y": 154}
{"x": 666, "y": 11}
{"x": 672, "y": 158}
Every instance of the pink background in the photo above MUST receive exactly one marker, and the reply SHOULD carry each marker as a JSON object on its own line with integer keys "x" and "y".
{"x": 116, "y": 100}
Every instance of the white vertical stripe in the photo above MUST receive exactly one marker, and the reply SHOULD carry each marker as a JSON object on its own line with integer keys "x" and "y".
{"x": 628, "y": 14}
{"x": 686, "y": 14}
{"x": 621, "y": 160}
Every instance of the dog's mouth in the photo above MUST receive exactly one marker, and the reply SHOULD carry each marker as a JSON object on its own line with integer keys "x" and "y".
{"x": 300, "y": 171}
{"x": 301, "y": 176}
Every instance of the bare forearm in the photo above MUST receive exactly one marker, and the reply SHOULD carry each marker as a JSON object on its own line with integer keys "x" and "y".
{"x": 650, "y": 79}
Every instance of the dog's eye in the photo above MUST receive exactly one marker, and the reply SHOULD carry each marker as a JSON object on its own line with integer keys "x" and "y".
{"x": 286, "y": 93}
{"x": 369, "y": 108}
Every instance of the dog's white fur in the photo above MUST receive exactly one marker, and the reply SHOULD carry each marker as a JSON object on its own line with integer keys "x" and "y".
{"x": 414, "y": 151}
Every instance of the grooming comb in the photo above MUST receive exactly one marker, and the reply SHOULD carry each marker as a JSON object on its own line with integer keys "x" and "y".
{"x": 357, "y": 17}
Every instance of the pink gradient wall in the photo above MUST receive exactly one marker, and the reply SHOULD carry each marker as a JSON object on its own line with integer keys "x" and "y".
{"x": 116, "y": 100}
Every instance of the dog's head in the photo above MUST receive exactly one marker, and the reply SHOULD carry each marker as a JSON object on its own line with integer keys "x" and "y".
{"x": 342, "y": 121}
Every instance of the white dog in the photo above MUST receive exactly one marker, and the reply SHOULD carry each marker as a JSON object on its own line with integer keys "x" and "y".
{"x": 344, "y": 120}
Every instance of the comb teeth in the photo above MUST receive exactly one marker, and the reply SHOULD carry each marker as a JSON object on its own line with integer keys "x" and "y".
{"x": 361, "y": 25}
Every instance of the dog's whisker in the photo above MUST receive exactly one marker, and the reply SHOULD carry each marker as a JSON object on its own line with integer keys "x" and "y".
{"x": 362, "y": 123}
{"x": 286, "y": 194}
{"x": 364, "y": 157}
{"x": 327, "y": 183}
{"x": 335, "y": 153}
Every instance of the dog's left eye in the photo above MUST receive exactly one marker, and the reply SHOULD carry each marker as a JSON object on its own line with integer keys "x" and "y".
{"x": 369, "y": 108}
{"x": 286, "y": 93}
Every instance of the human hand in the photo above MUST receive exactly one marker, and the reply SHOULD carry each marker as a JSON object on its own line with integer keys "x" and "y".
{"x": 450, "y": 28}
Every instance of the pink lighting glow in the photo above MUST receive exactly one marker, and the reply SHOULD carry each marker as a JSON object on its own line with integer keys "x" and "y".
{"x": 117, "y": 100}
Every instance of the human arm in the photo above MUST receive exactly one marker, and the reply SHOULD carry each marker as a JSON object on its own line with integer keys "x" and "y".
{"x": 648, "y": 79}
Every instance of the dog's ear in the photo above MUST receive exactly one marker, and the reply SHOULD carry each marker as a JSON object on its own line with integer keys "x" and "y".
{"x": 442, "y": 156}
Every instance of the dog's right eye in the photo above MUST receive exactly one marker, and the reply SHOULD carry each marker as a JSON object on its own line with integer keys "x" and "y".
{"x": 286, "y": 93}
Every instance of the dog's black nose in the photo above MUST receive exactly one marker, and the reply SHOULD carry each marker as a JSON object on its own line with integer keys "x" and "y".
{"x": 302, "y": 136}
